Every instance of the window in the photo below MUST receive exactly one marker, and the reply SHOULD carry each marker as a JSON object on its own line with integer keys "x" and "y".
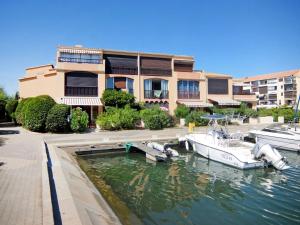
{"x": 81, "y": 84}
{"x": 188, "y": 89}
{"x": 130, "y": 85}
{"x": 217, "y": 86}
{"x": 156, "y": 88}
{"x": 120, "y": 64}
{"x": 110, "y": 83}
{"x": 120, "y": 83}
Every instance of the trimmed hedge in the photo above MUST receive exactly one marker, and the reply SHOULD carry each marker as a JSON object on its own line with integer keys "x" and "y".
{"x": 35, "y": 112}
{"x": 21, "y": 108}
{"x": 57, "y": 119}
{"x": 155, "y": 119}
{"x": 116, "y": 119}
{"x": 79, "y": 120}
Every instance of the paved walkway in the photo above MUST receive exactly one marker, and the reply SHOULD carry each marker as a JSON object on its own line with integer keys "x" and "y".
{"x": 20, "y": 177}
{"x": 21, "y": 180}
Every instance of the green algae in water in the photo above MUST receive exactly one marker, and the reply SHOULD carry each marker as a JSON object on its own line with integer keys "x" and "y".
{"x": 193, "y": 190}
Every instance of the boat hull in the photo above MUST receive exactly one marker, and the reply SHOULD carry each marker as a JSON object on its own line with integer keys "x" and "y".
{"x": 224, "y": 157}
{"x": 286, "y": 143}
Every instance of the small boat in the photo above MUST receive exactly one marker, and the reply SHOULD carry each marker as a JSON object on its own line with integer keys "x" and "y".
{"x": 164, "y": 148}
{"x": 281, "y": 136}
{"x": 218, "y": 145}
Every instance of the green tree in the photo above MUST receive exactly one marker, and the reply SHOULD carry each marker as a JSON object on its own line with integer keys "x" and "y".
{"x": 10, "y": 108}
{"x": 118, "y": 99}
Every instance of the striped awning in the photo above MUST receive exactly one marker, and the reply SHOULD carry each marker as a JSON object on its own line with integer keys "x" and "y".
{"x": 79, "y": 51}
{"x": 195, "y": 104}
{"x": 225, "y": 101}
{"x": 80, "y": 101}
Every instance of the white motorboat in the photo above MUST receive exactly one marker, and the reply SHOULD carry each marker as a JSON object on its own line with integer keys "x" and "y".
{"x": 220, "y": 146}
{"x": 281, "y": 136}
{"x": 164, "y": 148}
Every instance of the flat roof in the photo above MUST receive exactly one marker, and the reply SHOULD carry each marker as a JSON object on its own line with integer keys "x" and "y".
{"x": 36, "y": 67}
{"x": 272, "y": 75}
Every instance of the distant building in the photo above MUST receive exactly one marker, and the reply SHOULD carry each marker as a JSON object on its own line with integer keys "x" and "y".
{"x": 82, "y": 74}
{"x": 274, "y": 89}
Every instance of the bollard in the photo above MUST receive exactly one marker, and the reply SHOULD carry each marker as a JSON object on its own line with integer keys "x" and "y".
{"x": 191, "y": 127}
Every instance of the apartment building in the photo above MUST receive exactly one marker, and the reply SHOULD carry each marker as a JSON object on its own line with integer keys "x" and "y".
{"x": 275, "y": 89}
{"x": 82, "y": 74}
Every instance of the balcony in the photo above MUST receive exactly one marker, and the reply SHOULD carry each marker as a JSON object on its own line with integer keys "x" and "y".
{"x": 290, "y": 95}
{"x": 80, "y": 60}
{"x": 156, "y": 94}
{"x": 81, "y": 91}
{"x": 122, "y": 70}
{"x": 188, "y": 95}
{"x": 288, "y": 80}
{"x": 154, "y": 71}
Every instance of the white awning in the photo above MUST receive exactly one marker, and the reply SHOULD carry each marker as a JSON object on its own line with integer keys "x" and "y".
{"x": 80, "y": 101}
{"x": 195, "y": 104}
{"x": 225, "y": 101}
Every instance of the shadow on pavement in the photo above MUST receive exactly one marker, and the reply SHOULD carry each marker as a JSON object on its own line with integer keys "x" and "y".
{"x": 5, "y": 132}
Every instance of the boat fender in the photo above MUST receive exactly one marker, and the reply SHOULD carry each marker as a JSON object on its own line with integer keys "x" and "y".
{"x": 188, "y": 145}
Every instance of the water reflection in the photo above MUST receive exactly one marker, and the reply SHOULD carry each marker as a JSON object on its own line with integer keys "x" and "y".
{"x": 192, "y": 189}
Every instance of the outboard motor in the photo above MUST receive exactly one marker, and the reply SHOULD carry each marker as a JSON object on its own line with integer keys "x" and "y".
{"x": 270, "y": 155}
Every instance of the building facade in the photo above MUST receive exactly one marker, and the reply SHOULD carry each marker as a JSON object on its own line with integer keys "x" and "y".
{"x": 82, "y": 74}
{"x": 275, "y": 89}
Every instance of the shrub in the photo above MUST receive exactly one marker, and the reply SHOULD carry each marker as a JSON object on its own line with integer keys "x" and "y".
{"x": 118, "y": 99}
{"x": 181, "y": 111}
{"x": 195, "y": 117}
{"x": 21, "y": 108}
{"x": 265, "y": 112}
{"x": 10, "y": 108}
{"x": 57, "y": 119}
{"x": 250, "y": 113}
{"x": 115, "y": 118}
{"x": 35, "y": 112}
{"x": 287, "y": 113}
{"x": 79, "y": 120}
{"x": 154, "y": 118}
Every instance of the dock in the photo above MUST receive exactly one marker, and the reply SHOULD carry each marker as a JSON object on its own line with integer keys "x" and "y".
{"x": 151, "y": 153}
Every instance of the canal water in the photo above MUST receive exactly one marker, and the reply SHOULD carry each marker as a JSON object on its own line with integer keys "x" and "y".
{"x": 193, "y": 190}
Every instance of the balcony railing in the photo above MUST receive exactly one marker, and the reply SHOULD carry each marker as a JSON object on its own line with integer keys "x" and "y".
{"x": 81, "y": 91}
{"x": 154, "y": 71}
{"x": 79, "y": 60}
{"x": 159, "y": 94}
{"x": 288, "y": 80}
{"x": 188, "y": 94}
{"x": 122, "y": 70}
{"x": 243, "y": 93}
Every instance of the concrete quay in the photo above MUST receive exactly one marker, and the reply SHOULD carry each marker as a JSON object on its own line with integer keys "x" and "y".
{"x": 26, "y": 195}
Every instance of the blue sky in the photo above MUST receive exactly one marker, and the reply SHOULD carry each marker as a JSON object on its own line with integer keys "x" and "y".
{"x": 237, "y": 37}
